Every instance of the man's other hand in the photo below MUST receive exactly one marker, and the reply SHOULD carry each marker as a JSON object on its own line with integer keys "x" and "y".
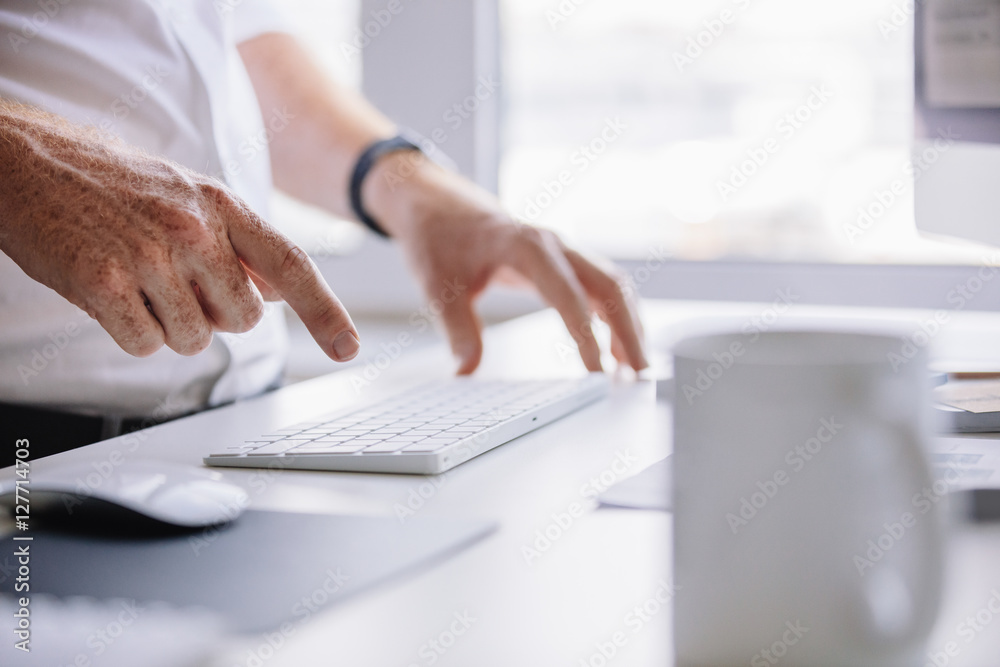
{"x": 456, "y": 234}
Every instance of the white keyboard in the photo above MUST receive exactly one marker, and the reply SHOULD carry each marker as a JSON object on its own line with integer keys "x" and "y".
{"x": 426, "y": 430}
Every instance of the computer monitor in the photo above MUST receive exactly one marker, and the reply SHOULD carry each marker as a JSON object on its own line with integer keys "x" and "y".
{"x": 956, "y": 161}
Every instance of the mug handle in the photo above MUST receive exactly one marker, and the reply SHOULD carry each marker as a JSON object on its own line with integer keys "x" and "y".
{"x": 924, "y": 589}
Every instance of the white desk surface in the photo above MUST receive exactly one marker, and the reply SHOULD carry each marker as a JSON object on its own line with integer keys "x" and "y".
{"x": 578, "y": 592}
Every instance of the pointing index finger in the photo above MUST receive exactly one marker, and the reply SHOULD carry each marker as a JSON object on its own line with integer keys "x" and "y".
{"x": 287, "y": 269}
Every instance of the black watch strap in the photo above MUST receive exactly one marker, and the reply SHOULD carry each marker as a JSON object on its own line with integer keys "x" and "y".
{"x": 364, "y": 164}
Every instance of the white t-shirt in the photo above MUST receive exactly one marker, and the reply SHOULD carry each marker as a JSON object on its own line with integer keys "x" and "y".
{"x": 164, "y": 75}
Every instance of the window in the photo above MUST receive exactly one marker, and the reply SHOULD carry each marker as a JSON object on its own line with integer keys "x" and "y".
{"x": 761, "y": 129}
{"x": 725, "y": 130}
{"x": 325, "y": 27}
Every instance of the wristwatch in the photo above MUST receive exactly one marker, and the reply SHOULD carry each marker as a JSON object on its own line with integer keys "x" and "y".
{"x": 406, "y": 140}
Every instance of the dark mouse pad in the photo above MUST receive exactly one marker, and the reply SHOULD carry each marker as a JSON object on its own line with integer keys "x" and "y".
{"x": 264, "y": 569}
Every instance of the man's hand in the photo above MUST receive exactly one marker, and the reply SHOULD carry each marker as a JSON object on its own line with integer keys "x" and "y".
{"x": 458, "y": 239}
{"x": 154, "y": 252}
{"x": 451, "y": 230}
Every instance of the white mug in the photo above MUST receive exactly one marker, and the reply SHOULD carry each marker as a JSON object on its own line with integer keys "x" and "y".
{"x": 803, "y": 534}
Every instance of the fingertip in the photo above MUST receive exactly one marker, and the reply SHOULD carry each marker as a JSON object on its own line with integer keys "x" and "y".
{"x": 463, "y": 330}
{"x": 346, "y": 346}
{"x": 144, "y": 348}
{"x": 593, "y": 365}
{"x": 468, "y": 353}
{"x": 642, "y": 363}
{"x": 637, "y": 359}
{"x": 628, "y": 347}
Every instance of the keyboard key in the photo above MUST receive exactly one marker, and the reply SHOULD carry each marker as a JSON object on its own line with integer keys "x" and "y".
{"x": 333, "y": 439}
{"x": 276, "y": 447}
{"x": 389, "y": 430}
{"x": 444, "y": 423}
{"x": 367, "y": 440}
{"x": 396, "y": 415}
{"x": 323, "y": 444}
{"x": 268, "y": 438}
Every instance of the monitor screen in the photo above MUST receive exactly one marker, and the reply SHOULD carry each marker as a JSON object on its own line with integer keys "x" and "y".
{"x": 957, "y": 107}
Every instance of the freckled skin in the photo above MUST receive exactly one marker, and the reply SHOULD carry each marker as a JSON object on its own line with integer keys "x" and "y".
{"x": 111, "y": 229}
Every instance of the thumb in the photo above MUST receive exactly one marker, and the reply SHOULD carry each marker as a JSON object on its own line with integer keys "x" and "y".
{"x": 463, "y": 328}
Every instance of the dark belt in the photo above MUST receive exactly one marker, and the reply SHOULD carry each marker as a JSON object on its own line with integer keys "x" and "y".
{"x": 53, "y": 431}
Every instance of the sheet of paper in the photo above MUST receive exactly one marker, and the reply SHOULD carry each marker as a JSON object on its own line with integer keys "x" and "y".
{"x": 966, "y": 463}
{"x": 963, "y": 463}
{"x": 971, "y": 395}
{"x": 648, "y": 490}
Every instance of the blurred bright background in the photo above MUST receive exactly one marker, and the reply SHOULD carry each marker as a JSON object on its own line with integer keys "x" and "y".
{"x": 689, "y": 104}
{"x": 700, "y": 98}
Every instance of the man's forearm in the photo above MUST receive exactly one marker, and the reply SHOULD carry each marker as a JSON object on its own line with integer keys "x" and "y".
{"x": 312, "y": 159}
{"x": 331, "y": 124}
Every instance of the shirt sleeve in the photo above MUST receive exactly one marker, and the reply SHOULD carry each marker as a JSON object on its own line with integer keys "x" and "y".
{"x": 256, "y": 17}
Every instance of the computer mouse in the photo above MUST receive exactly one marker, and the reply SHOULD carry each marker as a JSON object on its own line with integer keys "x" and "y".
{"x": 139, "y": 497}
